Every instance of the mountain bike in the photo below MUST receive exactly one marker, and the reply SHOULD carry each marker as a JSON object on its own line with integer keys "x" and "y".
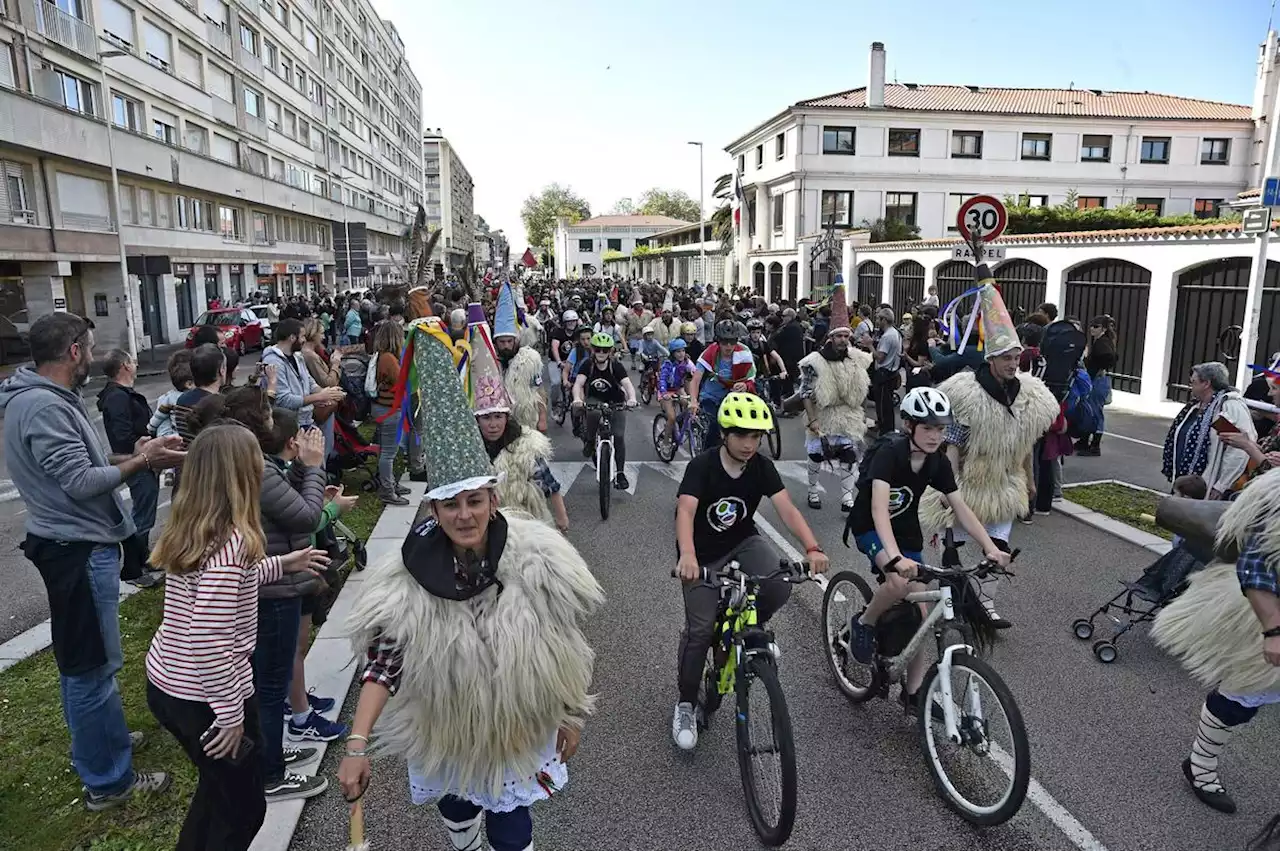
{"x": 981, "y": 763}
{"x": 688, "y": 428}
{"x": 648, "y": 379}
{"x": 560, "y": 402}
{"x": 744, "y": 662}
{"x": 606, "y": 464}
{"x": 774, "y": 435}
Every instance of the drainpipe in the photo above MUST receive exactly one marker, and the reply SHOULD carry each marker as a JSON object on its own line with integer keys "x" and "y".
{"x": 48, "y": 202}
{"x": 1124, "y": 167}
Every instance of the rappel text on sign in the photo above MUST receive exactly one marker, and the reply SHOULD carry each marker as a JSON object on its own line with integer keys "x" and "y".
{"x": 989, "y": 252}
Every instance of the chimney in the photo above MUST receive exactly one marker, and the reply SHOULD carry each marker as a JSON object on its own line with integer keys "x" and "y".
{"x": 875, "y": 77}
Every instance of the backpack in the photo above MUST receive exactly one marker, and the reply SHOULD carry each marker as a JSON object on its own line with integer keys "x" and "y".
{"x": 1083, "y": 413}
{"x": 351, "y": 378}
{"x": 371, "y": 377}
{"x": 1061, "y": 348}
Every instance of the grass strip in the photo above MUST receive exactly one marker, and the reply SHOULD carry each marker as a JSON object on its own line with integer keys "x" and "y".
{"x": 1119, "y": 502}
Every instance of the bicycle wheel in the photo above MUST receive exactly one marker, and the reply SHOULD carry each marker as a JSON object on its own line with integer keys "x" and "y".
{"x": 663, "y": 445}
{"x": 697, "y": 435}
{"x": 560, "y": 409}
{"x": 775, "y": 441}
{"x": 604, "y": 464}
{"x": 983, "y": 778}
{"x": 847, "y": 595}
{"x": 646, "y": 390}
{"x": 766, "y": 751}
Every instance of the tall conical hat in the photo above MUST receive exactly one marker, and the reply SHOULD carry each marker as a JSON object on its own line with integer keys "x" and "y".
{"x": 668, "y": 303}
{"x": 998, "y": 332}
{"x": 486, "y": 390}
{"x": 839, "y": 307}
{"x": 505, "y": 323}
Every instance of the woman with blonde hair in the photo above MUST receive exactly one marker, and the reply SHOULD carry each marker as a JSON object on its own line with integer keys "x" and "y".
{"x": 327, "y": 372}
{"x": 199, "y": 679}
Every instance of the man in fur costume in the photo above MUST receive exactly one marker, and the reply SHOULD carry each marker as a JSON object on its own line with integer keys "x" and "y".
{"x": 666, "y": 325}
{"x": 521, "y": 365}
{"x": 1226, "y": 630}
{"x": 519, "y": 455}
{"x": 999, "y": 414}
{"x": 477, "y": 669}
{"x": 834, "y": 384}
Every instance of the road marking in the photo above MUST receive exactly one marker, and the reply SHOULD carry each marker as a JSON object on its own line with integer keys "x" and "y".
{"x": 1134, "y": 440}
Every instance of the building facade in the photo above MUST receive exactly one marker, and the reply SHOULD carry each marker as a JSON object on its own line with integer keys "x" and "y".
{"x": 917, "y": 152}
{"x": 674, "y": 258}
{"x": 580, "y": 248}
{"x": 449, "y": 197}
{"x": 247, "y": 139}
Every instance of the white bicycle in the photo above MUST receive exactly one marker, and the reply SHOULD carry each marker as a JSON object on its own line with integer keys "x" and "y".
{"x": 969, "y": 724}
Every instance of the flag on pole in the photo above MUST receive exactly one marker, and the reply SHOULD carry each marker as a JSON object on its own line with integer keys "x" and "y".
{"x": 741, "y": 199}
{"x": 528, "y": 259}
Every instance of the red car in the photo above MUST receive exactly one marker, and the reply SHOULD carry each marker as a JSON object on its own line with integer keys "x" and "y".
{"x": 238, "y": 328}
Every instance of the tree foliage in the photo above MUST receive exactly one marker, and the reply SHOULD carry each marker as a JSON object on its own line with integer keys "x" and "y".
{"x": 722, "y": 217}
{"x": 891, "y": 230}
{"x": 623, "y": 207}
{"x": 540, "y": 211}
{"x": 675, "y": 203}
{"x": 1067, "y": 217}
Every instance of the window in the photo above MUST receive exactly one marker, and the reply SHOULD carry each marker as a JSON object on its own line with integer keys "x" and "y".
{"x": 230, "y": 223}
{"x": 277, "y": 169}
{"x": 1150, "y": 205}
{"x": 1037, "y": 146}
{"x": 146, "y": 207}
{"x": 223, "y": 149}
{"x": 196, "y": 138}
{"x": 202, "y": 215}
{"x": 759, "y": 156}
{"x": 117, "y": 21}
{"x": 282, "y": 13}
{"x": 966, "y": 144}
{"x": 615, "y": 244}
{"x": 8, "y": 77}
{"x": 290, "y": 124}
{"x": 273, "y": 115}
{"x": 270, "y": 55}
{"x": 954, "y": 200}
{"x": 71, "y": 91}
{"x": 252, "y": 101}
{"x": 312, "y": 43}
{"x": 839, "y": 205}
{"x": 900, "y": 206}
{"x": 1215, "y": 151}
{"x": 220, "y": 83}
{"x": 126, "y": 112}
{"x": 1033, "y": 200}
{"x": 158, "y": 45}
{"x": 249, "y": 39}
{"x": 1155, "y": 149}
{"x": 904, "y": 143}
{"x": 85, "y": 203}
{"x": 1095, "y": 149}
{"x": 259, "y": 228}
{"x": 181, "y": 212}
{"x": 128, "y": 207}
{"x": 839, "y": 140}
{"x": 15, "y": 201}
{"x": 778, "y": 213}
{"x": 286, "y": 69}
{"x": 1208, "y": 208}
{"x": 585, "y": 245}
{"x": 1090, "y": 202}
{"x": 164, "y": 126}
{"x": 189, "y": 66}
{"x": 164, "y": 210}
{"x": 780, "y": 144}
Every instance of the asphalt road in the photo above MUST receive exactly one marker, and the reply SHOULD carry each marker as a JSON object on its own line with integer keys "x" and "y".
{"x": 1107, "y": 741}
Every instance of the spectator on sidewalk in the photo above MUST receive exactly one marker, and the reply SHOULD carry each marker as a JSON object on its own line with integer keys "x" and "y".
{"x": 75, "y": 523}
{"x": 209, "y": 334}
{"x": 1193, "y": 447}
{"x": 199, "y": 679}
{"x": 162, "y": 424}
{"x": 126, "y": 416}
{"x": 325, "y": 371}
{"x": 295, "y": 388}
{"x": 208, "y": 374}
{"x": 352, "y": 327}
{"x": 885, "y": 377}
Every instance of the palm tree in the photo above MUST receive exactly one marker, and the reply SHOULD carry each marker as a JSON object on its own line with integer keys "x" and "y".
{"x": 722, "y": 218}
{"x": 891, "y": 230}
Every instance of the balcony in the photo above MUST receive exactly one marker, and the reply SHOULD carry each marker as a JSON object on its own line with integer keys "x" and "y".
{"x": 253, "y": 125}
{"x": 219, "y": 39}
{"x": 223, "y": 111}
{"x": 249, "y": 62}
{"x": 318, "y": 113}
{"x": 67, "y": 30}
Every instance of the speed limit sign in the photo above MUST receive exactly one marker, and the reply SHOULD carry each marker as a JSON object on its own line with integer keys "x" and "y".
{"x": 983, "y": 217}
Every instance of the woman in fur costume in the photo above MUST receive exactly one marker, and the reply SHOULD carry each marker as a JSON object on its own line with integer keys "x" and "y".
{"x": 473, "y": 642}
{"x": 999, "y": 414}
{"x": 521, "y": 365}
{"x": 1226, "y": 630}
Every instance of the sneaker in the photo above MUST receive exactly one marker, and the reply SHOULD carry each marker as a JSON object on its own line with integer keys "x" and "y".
{"x": 1025, "y": 519}
{"x": 392, "y": 498}
{"x": 403, "y": 490}
{"x": 317, "y": 704}
{"x": 684, "y": 727}
{"x": 144, "y": 782}
{"x": 620, "y": 482}
{"x": 298, "y": 756}
{"x": 420, "y": 476}
{"x": 148, "y": 579}
{"x": 997, "y": 620}
{"x": 316, "y": 728}
{"x": 911, "y": 705}
{"x": 815, "y": 501}
{"x": 293, "y": 787}
{"x": 1043, "y": 513}
{"x": 588, "y": 450}
{"x": 846, "y": 507}
{"x": 862, "y": 640}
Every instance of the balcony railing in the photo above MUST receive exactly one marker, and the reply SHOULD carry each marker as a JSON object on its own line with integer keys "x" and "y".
{"x": 249, "y": 62}
{"x": 219, "y": 39}
{"x": 67, "y": 30}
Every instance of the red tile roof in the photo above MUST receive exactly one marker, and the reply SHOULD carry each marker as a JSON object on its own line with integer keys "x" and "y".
{"x": 1215, "y": 229}
{"x": 630, "y": 221}
{"x": 1091, "y": 103}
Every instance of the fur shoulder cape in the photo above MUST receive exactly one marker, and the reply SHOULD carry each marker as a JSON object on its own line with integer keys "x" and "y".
{"x": 1211, "y": 628}
{"x": 839, "y": 391}
{"x": 484, "y": 682}
{"x": 526, "y": 398}
{"x": 514, "y": 464}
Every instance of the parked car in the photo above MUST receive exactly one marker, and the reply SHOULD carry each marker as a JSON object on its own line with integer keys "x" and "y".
{"x": 239, "y": 328}
{"x": 268, "y": 315}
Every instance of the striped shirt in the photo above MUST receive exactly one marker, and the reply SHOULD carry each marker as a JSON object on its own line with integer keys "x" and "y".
{"x": 201, "y": 650}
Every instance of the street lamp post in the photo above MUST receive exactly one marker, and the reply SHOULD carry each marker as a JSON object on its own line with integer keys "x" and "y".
{"x": 346, "y": 224}
{"x": 131, "y": 343}
{"x": 702, "y": 217}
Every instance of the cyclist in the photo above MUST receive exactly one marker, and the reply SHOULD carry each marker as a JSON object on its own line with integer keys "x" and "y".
{"x": 676, "y": 372}
{"x": 608, "y": 325}
{"x": 715, "y": 524}
{"x": 563, "y": 337}
{"x": 732, "y": 369}
{"x": 768, "y": 362}
{"x": 601, "y": 378}
{"x": 885, "y": 521}
{"x": 689, "y": 333}
{"x": 580, "y": 353}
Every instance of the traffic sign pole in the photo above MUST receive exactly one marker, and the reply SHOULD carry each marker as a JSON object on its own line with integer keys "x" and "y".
{"x": 981, "y": 219}
{"x": 1252, "y": 313}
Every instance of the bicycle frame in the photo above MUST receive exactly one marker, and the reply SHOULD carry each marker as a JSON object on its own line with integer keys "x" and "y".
{"x": 604, "y": 434}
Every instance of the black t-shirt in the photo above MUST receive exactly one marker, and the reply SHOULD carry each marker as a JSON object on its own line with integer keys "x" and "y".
{"x": 726, "y": 506}
{"x": 890, "y": 462}
{"x": 761, "y": 351}
{"x": 563, "y": 340}
{"x": 694, "y": 348}
{"x": 603, "y": 385}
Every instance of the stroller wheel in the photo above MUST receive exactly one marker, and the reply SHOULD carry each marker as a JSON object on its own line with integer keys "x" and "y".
{"x": 1083, "y": 629}
{"x": 1105, "y": 651}
{"x": 361, "y": 555}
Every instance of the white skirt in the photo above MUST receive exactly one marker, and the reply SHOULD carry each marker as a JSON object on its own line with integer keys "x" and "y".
{"x": 517, "y": 790}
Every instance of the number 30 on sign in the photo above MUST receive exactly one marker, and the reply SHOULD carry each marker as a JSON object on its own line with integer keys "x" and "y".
{"x": 981, "y": 216}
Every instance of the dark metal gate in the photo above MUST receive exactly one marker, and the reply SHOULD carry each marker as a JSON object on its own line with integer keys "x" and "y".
{"x": 757, "y": 279}
{"x": 908, "y": 286}
{"x": 1210, "y": 316}
{"x": 793, "y": 281}
{"x": 775, "y": 282}
{"x": 953, "y": 278}
{"x": 1023, "y": 285}
{"x": 870, "y": 283}
{"x": 1120, "y": 289}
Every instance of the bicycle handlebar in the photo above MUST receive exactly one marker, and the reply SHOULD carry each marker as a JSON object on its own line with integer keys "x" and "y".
{"x": 982, "y": 569}
{"x": 793, "y": 572}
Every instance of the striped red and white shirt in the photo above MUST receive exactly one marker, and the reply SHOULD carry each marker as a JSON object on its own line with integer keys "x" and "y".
{"x": 201, "y": 650}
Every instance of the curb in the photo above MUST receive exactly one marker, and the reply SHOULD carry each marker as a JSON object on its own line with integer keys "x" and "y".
{"x": 331, "y": 665}
{"x": 1123, "y": 531}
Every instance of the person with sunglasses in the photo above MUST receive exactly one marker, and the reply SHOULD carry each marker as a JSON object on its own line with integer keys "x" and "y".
{"x": 602, "y": 379}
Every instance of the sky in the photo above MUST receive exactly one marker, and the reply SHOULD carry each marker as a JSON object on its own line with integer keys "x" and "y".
{"x": 604, "y": 96}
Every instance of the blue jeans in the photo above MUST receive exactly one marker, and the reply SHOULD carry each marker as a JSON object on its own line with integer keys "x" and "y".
{"x": 388, "y": 433}
{"x": 144, "y": 488}
{"x": 511, "y": 831}
{"x": 91, "y": 705}
{"x": 278, "y": 620}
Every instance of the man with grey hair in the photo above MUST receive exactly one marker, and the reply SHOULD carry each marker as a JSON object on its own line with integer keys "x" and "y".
{"x": 788, "y": 341}
{"x": 1193, "y": 445}
{"x": 884, "y": 380}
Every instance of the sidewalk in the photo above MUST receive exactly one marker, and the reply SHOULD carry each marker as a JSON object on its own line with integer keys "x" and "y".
{"x": 151, "y": 362}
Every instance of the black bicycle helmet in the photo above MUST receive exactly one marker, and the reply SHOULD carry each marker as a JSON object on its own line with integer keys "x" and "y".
{"x": 727, "y": 329}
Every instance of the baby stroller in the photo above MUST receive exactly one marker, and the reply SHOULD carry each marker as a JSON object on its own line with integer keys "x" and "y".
{"x": 350, "y": 452}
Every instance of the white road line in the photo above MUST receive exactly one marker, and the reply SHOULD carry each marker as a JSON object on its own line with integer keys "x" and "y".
{"x": 1134, "y": 440}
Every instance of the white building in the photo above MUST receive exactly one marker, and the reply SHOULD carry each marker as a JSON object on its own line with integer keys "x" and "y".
{"x": 247, "y": 137}
{"x": 674, "y": 257}
{"x": 580, "y": 248}
{"x": 916, "y": 152}
{"x": 449, "y": 196}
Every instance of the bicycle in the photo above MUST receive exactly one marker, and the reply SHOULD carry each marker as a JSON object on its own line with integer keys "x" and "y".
{"x": 743, "y": 654}
{"x": 605, "y": 464}
{"x": 774, "y": 435}
{"x": 560, "y": 404}
{"x": 688, "y": 428}
{"x": 995, "y": 763}
{"x": 648, "y": 379}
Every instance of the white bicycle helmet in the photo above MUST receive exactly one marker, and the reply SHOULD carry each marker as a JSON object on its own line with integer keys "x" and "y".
{"x": 570, "y": 316}
{"x": 926, "y": 406}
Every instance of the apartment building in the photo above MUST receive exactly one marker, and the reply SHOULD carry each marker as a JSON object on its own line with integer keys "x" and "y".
{"x": 449, "y": 198}
{"x": 249, "y": 138}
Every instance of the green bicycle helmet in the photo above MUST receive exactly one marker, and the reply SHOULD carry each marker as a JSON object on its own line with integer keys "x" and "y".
{"x": 745, "y": 411}
{"x": 601, "y": 340}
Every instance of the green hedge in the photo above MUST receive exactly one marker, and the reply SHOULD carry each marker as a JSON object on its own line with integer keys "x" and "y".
{"x": 1067, "y": 218}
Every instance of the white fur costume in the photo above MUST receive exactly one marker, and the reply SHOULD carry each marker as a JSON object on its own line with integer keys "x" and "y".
{"x": 516, "y": 489}
{"x": 527, "y": 398}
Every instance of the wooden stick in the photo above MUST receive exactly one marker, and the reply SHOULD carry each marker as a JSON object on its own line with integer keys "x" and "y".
{"x": 357, "y": 824}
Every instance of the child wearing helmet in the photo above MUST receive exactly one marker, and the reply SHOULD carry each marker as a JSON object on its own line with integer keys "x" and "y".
{"x": 689, "y": 333}
{"x": 718, "y": 497}
{"x": 676, "y": 371}
{"x": 885, "y": 521}
{"x": 726, "y": 366}
{"x": 600, "y": 378}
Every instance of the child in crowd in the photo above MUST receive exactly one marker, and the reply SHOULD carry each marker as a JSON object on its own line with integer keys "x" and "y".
{"x": 162, "y": 424}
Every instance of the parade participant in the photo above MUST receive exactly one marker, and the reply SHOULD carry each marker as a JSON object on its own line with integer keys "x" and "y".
{"x": 563, "y": 337}
{"x": 609, "y": 325}
{"x": 649, "y": 349}
{"x": 732, "y": 369}
{"x": 666, "y": 327}
{"x": 1226, "y": 630}
{"x": 695, "y": 347}
{"x": 521, "y": 365}
{"x": 675, "y": 373}
{"x": 999, "y": 414}
{"x": 768, "y": 362}
{"x": 602, "y": 379}
{"x": 519, "y": 455}
{"x": 474, "y": 629}
{"x": 834, "y": 384}
{"x": 407, "y": 401}
{"x": 638, "y": 319}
